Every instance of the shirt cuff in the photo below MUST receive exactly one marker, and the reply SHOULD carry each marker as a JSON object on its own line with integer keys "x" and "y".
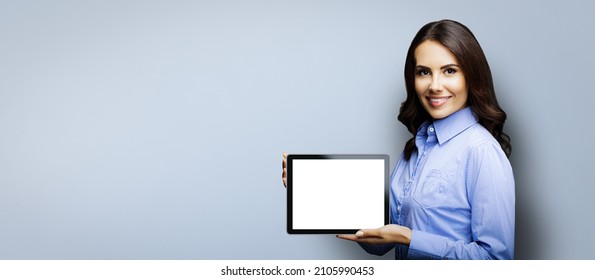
{"x": 425, "y": 245}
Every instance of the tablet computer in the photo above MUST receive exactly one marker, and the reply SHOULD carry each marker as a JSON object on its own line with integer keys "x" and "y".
{"x": 336, "y": 194}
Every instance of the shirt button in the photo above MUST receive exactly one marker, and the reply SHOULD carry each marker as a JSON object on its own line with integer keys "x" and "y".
{"x": 431, "y": 129}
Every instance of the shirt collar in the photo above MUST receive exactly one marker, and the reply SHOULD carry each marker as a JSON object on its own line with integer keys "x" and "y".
{"x": 454, "y": 124}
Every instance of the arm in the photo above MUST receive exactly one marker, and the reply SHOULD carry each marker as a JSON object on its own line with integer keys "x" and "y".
{"x": 381, "y": 240}
{"x": 490, "y": 191}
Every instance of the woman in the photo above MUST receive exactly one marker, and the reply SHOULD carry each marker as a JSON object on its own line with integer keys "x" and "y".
{"x": 452, "y": 191}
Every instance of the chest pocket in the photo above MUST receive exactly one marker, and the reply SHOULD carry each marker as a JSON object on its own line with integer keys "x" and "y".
{"x": 435, "y": 190}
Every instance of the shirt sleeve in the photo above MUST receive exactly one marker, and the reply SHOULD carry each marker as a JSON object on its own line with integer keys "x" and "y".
{"x": 491, "y": 194}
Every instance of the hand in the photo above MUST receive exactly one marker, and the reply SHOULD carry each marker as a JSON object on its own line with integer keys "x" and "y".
{"x": 383, "y": 235}
{"x": 284, "y": 175}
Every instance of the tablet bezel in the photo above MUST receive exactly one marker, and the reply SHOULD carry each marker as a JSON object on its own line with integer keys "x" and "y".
{"x": 292, "y": 157}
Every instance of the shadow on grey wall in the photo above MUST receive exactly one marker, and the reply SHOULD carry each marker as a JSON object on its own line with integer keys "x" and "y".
{"x": 529, "y": 225}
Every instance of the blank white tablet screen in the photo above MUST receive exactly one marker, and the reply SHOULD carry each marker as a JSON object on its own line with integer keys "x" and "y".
{"x": 338, "y": 193}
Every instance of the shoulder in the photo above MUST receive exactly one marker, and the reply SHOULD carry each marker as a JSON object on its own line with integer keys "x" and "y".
{"x": 484, "y": 151}
{"x": 478, "y": 138}
{"x": 481, "y": 150}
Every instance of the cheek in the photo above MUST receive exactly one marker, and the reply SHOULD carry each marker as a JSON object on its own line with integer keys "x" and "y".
{"x": 421, "y": 86}
{"x": 460, "y": 89}
{"x": 462, "y": 83}
{"x": 458, "y": 86}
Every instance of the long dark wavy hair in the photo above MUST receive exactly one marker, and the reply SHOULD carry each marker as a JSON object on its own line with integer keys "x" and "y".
{"x": 481, "y": 96}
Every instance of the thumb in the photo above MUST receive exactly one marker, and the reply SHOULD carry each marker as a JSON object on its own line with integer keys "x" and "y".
{"x": 367, "y": 233}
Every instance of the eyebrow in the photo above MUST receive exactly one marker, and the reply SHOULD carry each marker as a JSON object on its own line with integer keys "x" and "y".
{"x": 442, "y": 67}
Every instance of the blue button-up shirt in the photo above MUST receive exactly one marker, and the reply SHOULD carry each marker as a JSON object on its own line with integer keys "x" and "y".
{"x": 456, "y": 193}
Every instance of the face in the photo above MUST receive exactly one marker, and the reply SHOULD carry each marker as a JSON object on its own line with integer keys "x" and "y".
{"x": 439, "y": 81}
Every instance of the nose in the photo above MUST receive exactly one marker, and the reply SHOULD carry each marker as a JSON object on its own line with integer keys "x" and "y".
{"x": 436, "y": 85}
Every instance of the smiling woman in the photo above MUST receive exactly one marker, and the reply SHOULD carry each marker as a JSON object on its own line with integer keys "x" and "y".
{"x": 452, "y": 43}
{"x": 439, "y": 83}
{"x": 452, "y": 190}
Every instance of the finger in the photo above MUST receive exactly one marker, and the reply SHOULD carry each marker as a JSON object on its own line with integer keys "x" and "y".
{"x": 284, "y": 174}
{"x": 368, "y": 233}
{"x": 351, "y": 237}
{"x": 354, "y": 237}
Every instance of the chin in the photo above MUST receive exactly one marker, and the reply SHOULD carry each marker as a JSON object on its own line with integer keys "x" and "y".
{"x": 440, "y": 113}
{"x": 439, "y": 116}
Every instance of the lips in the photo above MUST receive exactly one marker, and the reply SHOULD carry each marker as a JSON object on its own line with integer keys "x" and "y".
{"x": 438, "y": 101}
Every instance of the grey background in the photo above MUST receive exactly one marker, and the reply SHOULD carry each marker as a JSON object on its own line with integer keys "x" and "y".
{"x": 154, "y": 129}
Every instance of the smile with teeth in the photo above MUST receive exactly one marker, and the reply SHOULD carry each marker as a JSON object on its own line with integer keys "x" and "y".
{"x": 437, "y": 101}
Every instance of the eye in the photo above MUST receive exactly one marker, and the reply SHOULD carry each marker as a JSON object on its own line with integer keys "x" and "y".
{"x": 423, "y": 72}
{"x": 450, "y": 71}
